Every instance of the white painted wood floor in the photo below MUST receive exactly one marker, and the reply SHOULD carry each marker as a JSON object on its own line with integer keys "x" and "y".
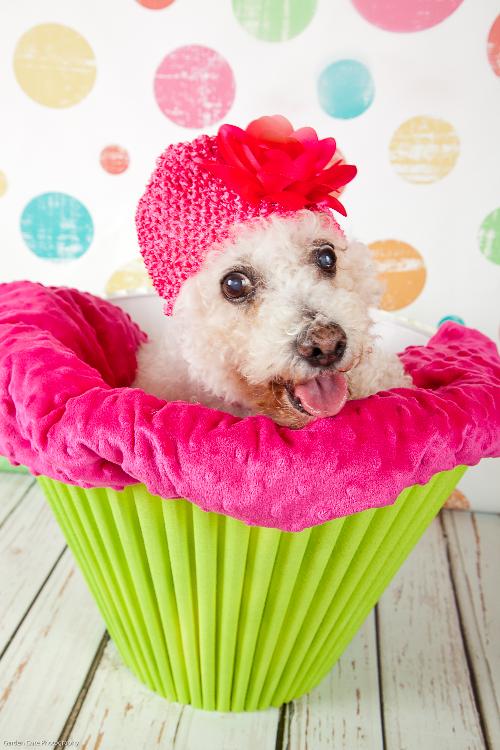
{"x": 423, "y": 673}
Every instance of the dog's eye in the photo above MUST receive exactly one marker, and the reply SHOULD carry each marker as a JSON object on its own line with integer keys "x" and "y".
{"x": 325, "y": 258}
{"x": 236, "y": 286}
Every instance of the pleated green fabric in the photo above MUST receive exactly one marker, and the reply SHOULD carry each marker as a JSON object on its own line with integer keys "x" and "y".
{"x": 208, "y": 611}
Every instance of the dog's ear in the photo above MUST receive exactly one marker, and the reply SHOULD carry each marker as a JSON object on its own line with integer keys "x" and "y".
{"x": 365, "y": 273}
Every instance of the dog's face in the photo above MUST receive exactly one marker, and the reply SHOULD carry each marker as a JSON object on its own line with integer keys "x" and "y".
{"x": 277, "y": 319}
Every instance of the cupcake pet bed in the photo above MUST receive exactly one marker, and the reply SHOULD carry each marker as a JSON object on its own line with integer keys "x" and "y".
{"x": 248, "y": 605}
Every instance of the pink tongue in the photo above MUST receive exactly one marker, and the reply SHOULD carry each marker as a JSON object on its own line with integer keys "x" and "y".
{"x": 324, "y": 395}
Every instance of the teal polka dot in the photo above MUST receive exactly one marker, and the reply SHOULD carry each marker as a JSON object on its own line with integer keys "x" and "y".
{"x": 56, "y": 226}
{"x": 454, "y": 318}
{"x": 346, "y": 89}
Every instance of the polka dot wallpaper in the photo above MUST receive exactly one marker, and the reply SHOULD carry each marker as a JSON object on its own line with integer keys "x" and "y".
{"x": 424, "y": 149}
{"x": 194, "y": 86}
{"x": 402, "y": 270}
{"x": 345, "y": 89}
{"x": 91, "y": 93}
{"x": 54, "y": 65}
{"x": 406, "y": 15}
{"x": 57, "y": 226}
{"x": 114, "y": 159}
{"x": 274, "y": 21}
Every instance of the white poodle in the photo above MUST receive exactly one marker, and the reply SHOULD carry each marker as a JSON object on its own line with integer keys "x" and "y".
{"x": 276, "y": 322}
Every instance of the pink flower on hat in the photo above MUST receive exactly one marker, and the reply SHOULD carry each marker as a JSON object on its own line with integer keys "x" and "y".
{"x": 272, "y": 162}
{"x": 200, "y": 191}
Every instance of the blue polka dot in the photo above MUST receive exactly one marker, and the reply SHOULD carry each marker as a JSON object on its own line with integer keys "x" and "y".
{"x": 345, "y": 89}
{"x": 57, "y": 226}
{"x": 454, "y": 318}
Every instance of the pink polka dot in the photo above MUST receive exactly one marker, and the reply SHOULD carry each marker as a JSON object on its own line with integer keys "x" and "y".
{"x": 194, "y": 86}
{"x": 404, "y": 15}
{"x": 494, "y": 46}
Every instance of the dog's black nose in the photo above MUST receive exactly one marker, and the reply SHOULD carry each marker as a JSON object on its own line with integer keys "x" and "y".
{"x": 322, "y": 345}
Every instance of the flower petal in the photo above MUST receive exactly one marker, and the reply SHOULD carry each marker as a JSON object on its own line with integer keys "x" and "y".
{"x": 250, "y": 156}
{"x": 287, "y": 200}
{"x": 277, "y": 161}
{"x": 325, "y": 152}
{"x": 242, "y": 182}
{"x": 272, "y": 182}
{"x": 304, "y": 166}
{"x": 332, "y": 202}
{"x": 270, "y": 161}
{"x": 305, "y": 187}
{"x": 307, "y": 136}
{"x": 238, "y": 149}
{"x": 274, "y": 128}
{"x": 227, "y": 137}
{"x": 338, "y": 175}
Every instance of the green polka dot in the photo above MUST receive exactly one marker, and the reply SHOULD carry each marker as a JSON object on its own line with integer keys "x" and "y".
{"x": 489, "y": 236}
{"x": 274, "y": 20}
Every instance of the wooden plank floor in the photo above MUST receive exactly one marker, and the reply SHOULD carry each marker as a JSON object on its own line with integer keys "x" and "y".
{"x": 423, "y": 673}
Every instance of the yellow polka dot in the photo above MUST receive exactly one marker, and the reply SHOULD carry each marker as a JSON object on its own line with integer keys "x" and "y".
{"x": 132, "y": 277}
{"x": 424, "y": 149}
{"x": 54, "y": 65}
{"x": 401, "y": 269}
{"x": 3, "y": 183}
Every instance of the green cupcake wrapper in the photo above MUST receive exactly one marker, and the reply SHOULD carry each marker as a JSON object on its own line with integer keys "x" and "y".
{"x": 208, "y": 611}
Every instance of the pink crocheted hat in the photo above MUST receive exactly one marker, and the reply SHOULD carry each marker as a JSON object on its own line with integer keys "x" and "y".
{"x": 200, "y": 190}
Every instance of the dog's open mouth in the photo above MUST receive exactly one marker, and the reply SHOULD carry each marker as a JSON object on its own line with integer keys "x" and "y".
{"x": 322, "y": 396}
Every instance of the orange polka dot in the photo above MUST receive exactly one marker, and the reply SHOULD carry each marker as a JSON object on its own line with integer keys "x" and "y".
{"x": 155, "y": 4}
{"x": 493, "y": 47}
{"x": 402, "y": 270}
{"x": 114, "y": 159}
{"x": 457, "y": 501}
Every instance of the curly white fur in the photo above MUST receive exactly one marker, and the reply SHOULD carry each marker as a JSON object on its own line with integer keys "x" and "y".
{"x": 234, "y": 356}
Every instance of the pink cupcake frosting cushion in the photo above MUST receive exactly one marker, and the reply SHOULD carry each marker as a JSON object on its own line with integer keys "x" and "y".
{"x": 66, "y": 411}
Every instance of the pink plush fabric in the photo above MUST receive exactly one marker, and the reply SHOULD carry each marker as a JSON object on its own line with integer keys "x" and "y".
{"x": 66, "y": 411}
